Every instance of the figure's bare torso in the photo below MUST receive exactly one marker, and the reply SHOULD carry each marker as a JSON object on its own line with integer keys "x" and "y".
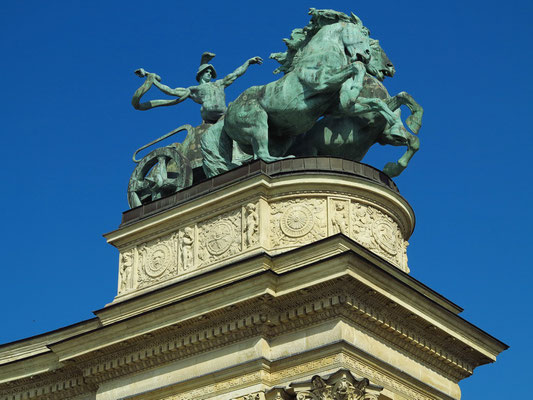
{"x": 212, "y": 98}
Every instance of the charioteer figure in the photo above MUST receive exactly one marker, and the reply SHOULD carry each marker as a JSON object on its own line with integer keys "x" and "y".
{"x": 209, "y": 94}
{"x": 170, "y": 168}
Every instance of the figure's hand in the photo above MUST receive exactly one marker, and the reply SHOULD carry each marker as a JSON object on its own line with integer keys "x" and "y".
{"x": 141, "y": 73}
{"x": 256, "y": 60}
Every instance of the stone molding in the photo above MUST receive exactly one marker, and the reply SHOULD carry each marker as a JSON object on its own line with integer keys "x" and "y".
{"x": 273, "y": 317}
{"x": 57, "y": 385}
{"x": 270, "y": 318}
{"x": 279, "y": 381}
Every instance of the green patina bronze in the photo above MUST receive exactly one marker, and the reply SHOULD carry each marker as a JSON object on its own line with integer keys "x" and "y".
{"x": 210, "y": 95}
{"x": 166, "y": 170}
{"x": 330, "y": 102}
{"x": 351, "y": 136}
{"x": 264, "y": 120}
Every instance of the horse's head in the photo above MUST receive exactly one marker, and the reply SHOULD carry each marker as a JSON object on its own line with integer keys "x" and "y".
{"x": 379, "y": 66}
{"x": 356, "y": 40}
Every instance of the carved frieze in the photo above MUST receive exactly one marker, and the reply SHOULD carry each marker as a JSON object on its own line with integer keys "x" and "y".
{"x": 220, "y": 237}
{"x": 379, "y": 233}
{"x": 274, "y": 224}
{"x": 298, "y": 221}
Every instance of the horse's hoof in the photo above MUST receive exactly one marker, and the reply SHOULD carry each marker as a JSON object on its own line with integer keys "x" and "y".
{"x": 393, "y": 169}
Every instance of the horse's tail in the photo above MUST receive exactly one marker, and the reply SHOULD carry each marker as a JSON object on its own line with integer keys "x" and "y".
{"x": 217, "y": 150}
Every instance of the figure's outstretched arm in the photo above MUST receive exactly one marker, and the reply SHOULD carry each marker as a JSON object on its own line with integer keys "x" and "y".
{"x": 229, "y": 79}
{"x": 178, "y": 92}
{"x": 153, "y": 79}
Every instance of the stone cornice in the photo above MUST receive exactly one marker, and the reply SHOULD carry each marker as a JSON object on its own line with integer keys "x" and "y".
{"x": 36, "y": 345}
{"x": 64, "y": 383}
{"x": 292, "y": 260}
{"x": 345, "y": 286}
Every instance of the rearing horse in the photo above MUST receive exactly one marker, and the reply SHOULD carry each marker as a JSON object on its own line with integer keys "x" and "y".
{"x": 332, "y": 49}
{"x": 350, "y": 135}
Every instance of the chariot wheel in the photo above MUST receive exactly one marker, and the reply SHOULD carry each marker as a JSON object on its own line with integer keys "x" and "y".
{"x": 160, "y": 173}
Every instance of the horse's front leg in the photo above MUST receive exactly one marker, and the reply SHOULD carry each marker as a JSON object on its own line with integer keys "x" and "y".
{"x": 366, "y": 105}
{"x": 395, "y": 133}
{"x": 393, "y": 169}
{"x": 414, "y": 121}
{"x": 248, "y": 126}
{"x": 351, "y": 88}
{"x": 331, "y": 78}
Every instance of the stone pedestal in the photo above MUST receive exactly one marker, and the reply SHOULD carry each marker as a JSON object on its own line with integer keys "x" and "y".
{"x": 261, "y": 209}
{"x": 274, "y": 281}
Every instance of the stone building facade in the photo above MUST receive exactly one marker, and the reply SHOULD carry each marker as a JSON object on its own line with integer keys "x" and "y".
{"x": 287, "y": 280}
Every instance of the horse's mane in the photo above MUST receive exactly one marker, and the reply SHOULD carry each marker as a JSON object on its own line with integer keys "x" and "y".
{"x": 301, "y": 36}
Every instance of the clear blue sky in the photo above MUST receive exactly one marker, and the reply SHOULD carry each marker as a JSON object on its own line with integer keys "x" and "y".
{"x": 68, "y": 132}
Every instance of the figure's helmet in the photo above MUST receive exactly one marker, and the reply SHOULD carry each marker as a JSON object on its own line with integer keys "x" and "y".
{"x": 204, "y": 64}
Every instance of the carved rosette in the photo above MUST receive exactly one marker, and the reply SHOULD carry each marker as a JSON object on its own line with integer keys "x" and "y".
{"x": 379, "y": 233}
{"x": 157, "y": 260}
{"x": 220, "y": 237}
{"x": 298, "y": 221}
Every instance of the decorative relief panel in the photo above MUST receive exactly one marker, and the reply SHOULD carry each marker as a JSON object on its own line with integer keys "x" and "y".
{"x": 298, "y": 221}
{"x": 285, "y": 224}
{"x": 157, "y": 260}
{"x": 379, "y": 233}
{"x": 250, "y": 225}
{"x": 186, "y": 259}
{"x": 126, "y": 264}
{"x": 339, "y": 212}
{"x": 220, "y": 237}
